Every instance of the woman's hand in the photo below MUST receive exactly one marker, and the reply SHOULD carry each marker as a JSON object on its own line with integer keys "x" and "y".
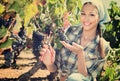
{"x": 76, "y": 48}
{"x": 47, "y": 55}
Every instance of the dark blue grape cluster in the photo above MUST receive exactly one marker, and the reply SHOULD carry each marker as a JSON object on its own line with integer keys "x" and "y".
{"x": 48, "y": 29}
{"x": 61, "y": 35}
{"x": 1, "y": 22}
{"x": 7, "y": 19}
{"x": 37, "y": 42}
{"x": 5, "y": 23}
{"x": 38, "y": 37}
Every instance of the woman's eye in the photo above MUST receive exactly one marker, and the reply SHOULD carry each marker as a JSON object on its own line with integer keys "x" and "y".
{"x": 92, "y": 15}
{"x": 82, "y": 13}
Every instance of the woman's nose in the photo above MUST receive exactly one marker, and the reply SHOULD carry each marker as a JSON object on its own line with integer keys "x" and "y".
{"x": 86, "y": 18}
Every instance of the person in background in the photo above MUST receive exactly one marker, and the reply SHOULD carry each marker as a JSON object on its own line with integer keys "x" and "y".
{"x": 83, "y": 54}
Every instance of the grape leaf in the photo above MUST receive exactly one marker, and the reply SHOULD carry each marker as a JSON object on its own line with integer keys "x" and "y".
{"x": 3, "y": 31}
{"x": 7, "y": 43}
{"x": 30, "y": 11}
{"x": 2, "y": 9}
{"x": 18, "y": 24}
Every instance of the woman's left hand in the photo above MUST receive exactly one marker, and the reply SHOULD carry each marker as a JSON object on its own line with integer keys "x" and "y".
{"x": 47, "y": 55}
{"x": 74, "y": 47}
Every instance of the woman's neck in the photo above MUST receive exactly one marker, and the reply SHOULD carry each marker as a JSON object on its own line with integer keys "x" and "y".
{"x": 87, "y": 35}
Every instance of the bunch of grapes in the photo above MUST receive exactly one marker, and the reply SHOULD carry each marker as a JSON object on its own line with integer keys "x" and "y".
{"x": 48, "y": 29}
{"x": 61, "y": 35}
{"x": 21, "y": 37}
{"x": 1, "y": 22}
{"x": 7, "y": 18}
{"x": 37, "y": 42}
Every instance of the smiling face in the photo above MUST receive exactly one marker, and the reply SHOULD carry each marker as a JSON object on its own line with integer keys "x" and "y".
{"x": 89, "y": 17}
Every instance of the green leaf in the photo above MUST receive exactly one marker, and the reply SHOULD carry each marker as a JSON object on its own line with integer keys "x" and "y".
{"x": 7, "y": 43}
{"x": 18, "y": 6}
{"x": 30, "y": 11}
{"x": 18, "y": 24}
{"x": 2, "y": 9}
{"x": 3, "y": 31}
{"x": 73, "y": 4}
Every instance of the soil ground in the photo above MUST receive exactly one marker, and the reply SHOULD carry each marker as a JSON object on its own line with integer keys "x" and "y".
{"x": 25, "y": 62}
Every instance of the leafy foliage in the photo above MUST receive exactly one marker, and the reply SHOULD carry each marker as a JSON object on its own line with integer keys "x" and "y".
{"x": 50, "y": 11}
{"x": 2, "y": 8}
{"x": 3, "y": 31}
{"x": 111, "y": 71}
{"x": 7, "y": 43}
{"x": 56, "y": 9}
{"x": 25, "y": 8}
{"x": 112, "y": 32}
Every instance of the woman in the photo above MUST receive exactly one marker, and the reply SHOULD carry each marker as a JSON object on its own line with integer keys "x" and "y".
{"x": 83, "y": 57}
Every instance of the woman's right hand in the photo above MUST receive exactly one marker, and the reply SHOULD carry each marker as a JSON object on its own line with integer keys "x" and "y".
{"x": 47, "y": 55}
